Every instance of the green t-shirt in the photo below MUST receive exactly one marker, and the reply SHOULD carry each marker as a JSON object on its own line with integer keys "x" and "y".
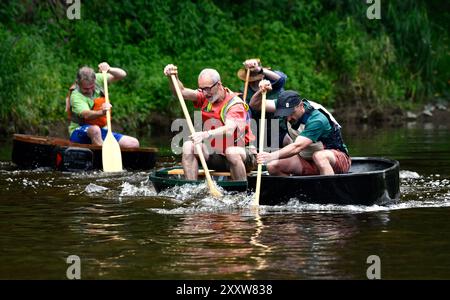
{"x": 317, "y": 126}
{"x": 80, "y": 102}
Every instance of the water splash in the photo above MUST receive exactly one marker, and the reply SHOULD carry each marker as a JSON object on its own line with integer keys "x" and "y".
{"x": 92, "y": 188}
{"x": 196, "y": 199}
{"x": 132, "y": 190}
{"x": 186, "y": 192}
{"x": 409, "y": 175}
{"x": 417, "y": 191}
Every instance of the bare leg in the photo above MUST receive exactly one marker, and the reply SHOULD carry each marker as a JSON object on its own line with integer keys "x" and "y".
{"x": 286, "y": 166}
{"x": 94, "y": 133}
{"x": 324, "y": 161}
{"x": 236, "y": 158}
{"x": 128, "y": 142}
{"x": 189, "y": 160}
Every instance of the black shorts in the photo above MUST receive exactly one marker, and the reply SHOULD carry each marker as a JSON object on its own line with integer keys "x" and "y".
{"x": 219, "y": 162}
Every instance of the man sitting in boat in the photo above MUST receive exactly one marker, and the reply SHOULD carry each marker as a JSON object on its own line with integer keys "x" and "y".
{"x": 319, "y": 126}
{"x": 277, "y": 80}
{"x": 87, "y": 109}
{"x": 226, "y": 124}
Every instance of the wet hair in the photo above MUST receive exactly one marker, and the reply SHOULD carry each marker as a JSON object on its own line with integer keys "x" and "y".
{"x": 210, "y": 73}
{"x": 85, "y": 74}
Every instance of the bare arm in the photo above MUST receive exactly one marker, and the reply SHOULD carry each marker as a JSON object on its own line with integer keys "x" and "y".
{"x": 254, "y": 64}
{"x": 114, "y": 74}
{"x": 256, "y": 100}
{"x": 188, "y": 94}
{"x": 300, "y": 143}
{"x": 269, "y": 74}
{"x": 92, "y": 114}
{"x": 228, "y": 129}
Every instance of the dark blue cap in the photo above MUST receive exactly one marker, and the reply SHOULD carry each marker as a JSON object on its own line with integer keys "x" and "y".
{"x": 287, "y": 101}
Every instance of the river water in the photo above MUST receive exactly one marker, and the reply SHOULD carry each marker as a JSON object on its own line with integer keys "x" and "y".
{"x": 120, "y": 228}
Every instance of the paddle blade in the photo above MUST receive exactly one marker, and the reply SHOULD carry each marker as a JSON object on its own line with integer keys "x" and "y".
{"x": 111, "y": 155}
{"x": 213, "y": 190}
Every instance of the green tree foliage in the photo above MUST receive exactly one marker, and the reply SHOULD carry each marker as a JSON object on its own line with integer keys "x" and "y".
{"x": 330, "y": 51}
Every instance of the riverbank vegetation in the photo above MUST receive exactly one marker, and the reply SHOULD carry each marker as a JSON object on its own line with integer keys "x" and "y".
{"x": 330, "y": 50}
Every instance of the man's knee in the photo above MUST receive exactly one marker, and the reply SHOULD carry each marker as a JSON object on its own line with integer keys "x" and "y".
{"x": 274, "y": 168}
{"x": 188, "y": 148}
{"x": 235, "y": 155}
{"x": 319, "y": 155}
{"x": 93, "y": 130}
{"x": 322, "y": 157}
{"x": 234, "y": 159}
{"x": 129, "y": 142}
{"x": 95, "y": 134}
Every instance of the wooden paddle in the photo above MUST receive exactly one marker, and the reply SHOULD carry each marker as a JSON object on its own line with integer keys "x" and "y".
{"x": 247, "y": 76}
{"x": 212, "y": 188}
{"x": 262, "y": 125}
{"x": 111, "y": 155}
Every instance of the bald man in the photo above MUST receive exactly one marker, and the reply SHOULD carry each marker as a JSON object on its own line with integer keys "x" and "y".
{"x": 226, "y": 127}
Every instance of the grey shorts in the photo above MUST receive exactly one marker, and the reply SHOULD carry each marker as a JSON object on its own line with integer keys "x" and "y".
{"x": 219, "y": 162}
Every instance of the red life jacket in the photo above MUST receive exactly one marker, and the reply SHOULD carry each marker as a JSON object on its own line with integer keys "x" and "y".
{"x": 99, "y": 121}
{"x": 215, "y": 114}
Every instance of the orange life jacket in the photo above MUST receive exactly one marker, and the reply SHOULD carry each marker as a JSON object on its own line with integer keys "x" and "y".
{"x": 218, "y": 115}
{"x": 99, "y": 121}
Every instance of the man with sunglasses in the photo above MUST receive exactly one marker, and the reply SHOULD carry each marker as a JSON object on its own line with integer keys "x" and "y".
{"x": 226, "y": 127}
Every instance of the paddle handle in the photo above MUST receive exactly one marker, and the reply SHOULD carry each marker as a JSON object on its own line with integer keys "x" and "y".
{"x": 262, "y": 132}
{"x": 214, "y": 191}
{"x": 247, "y": 76}
{"x": 105, "y": 88}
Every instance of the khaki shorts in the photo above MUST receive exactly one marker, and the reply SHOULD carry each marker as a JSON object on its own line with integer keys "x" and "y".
{"x": 219, "y": 162}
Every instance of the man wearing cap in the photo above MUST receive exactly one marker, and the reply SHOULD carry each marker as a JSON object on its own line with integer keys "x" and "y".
{"x": 277, "y": 80}
{"x": 319, "y": 126}
{"x": 226, "y": 124}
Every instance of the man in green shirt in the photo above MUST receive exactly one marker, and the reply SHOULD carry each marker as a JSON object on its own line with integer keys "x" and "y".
{"x": 88, "y": 108}
{"x": 319, "y": 126}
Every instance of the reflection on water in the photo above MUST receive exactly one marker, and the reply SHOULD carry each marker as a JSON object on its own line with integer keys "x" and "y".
{"x": 121, "y": 228}
{"x": 256, "y": 241}
{"x": 227, "y": 246}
